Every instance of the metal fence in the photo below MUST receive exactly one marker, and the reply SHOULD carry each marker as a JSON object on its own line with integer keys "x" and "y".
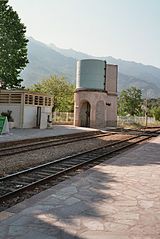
{"x": 63, "y": 117}
{"x": 131, "y": 120}
{"x": 68, "y": 118}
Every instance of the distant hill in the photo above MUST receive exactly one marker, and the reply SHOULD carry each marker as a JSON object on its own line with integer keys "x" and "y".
{"x": 71, "y": 53}
{"x": 46, "y": 60}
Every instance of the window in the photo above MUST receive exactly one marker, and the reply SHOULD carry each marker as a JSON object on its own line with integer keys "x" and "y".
{"x": 46, "y": 101}
{"x": 49, "y": 101}
{"x": 15, "y": 98}
{"x": 40, "y": 100}
{"x": 36, "y": 100}
{"x": 26, "y": 99}
{"x": 30, "y": 99}
{"x": 4, "y": 98}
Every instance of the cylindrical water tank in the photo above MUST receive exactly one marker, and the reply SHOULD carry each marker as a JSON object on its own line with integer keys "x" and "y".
{"x": 90, "y": 74}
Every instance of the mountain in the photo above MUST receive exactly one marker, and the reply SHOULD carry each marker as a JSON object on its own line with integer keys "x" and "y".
{"x": 71, "y": 53}
{"x": 46, "y": 60}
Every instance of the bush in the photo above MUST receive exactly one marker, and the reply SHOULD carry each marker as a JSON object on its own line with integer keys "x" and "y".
{"x": 156, "y": 113}
{"x": 8, "y": 115}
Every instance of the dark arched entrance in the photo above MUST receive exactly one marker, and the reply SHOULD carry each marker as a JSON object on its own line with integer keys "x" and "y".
{"x": 85, "y": 114}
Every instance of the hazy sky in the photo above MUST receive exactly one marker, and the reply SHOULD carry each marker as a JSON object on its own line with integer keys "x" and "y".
{"x": 126, "y": 29}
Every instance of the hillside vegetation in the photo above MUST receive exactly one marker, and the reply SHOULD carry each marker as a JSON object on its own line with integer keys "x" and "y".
{"x": 46, "y": 60}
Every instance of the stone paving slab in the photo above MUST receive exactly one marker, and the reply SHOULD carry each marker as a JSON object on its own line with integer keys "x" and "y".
{"x": 118, "y": 199}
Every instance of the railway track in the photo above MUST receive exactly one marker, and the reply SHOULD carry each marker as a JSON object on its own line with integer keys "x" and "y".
{"x": 35, "y": 144}
{"x": 46, "y": 138}
{"x": 17, "y": 149}
{"x": 14, "y": 184}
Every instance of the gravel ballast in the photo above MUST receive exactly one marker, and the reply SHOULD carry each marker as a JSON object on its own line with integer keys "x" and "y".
{"x": 14, "y": 163}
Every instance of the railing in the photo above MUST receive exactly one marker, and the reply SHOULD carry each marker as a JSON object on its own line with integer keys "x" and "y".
{"x": 133, "y": 120}
{"x": 63, "y": 117}
{"x": 68, "y": 118}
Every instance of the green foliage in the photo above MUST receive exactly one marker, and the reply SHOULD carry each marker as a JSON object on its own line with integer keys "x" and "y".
{"x": 60, "y": 89}
{"x": 156, "y": 112}
{"x": 153, "y": 103}
{"x": 152, "y": 106}
{"x": 13, "y": 46}
{"x": 129, "y": 102}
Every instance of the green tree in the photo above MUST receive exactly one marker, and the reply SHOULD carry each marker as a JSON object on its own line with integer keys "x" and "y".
{"x": 156, "y": 112}
{"x": 129, "y": 102}
{"x": 60, "y": 89}
{"x": 13, "y": 46}
{"x": 153, "y": 105}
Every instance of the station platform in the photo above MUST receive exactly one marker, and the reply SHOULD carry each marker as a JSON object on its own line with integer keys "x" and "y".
{"x": 117, "y": 199}
{"x": 21, "y": 134}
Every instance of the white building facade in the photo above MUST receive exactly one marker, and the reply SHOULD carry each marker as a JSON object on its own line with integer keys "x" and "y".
{"x": 29, "y": 109}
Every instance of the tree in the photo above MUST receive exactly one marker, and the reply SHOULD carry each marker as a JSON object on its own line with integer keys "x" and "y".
{"x": 156, "y": 113}
{"x": 130, "y": 102}
{"x": 60, "y": 89}
{"x": 13, "y": 46}
{"x": 153, "y": 105}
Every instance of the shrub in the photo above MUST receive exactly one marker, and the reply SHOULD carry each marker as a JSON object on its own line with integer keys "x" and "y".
{"x": 8, "y": 115}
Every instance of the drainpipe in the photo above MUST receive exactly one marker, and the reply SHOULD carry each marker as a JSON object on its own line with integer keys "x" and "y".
{"x": 105, "y": 75}
{"x": 22, "y": 110}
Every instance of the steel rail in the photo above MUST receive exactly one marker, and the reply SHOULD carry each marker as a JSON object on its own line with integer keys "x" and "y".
{"x": 69, "y": 163}
{"x": 50, "y": 143}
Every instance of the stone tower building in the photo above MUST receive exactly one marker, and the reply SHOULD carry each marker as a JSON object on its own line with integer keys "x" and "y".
{"x": 96, "y": 94}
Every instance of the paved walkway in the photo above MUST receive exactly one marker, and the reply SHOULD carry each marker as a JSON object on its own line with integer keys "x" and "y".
{"x": 119, "y": 199}
{"x": 19, "y": 134}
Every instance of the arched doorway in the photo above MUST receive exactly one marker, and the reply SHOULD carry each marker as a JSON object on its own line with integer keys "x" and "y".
{"x": 85, "y": 114}
{"x": 100, "y": 114}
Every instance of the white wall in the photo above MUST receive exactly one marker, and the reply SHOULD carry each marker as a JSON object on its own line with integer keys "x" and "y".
{"x": 29, "y": 118}
{"x": 30, "y": 114}
{"x": 16, "y": 112}
{"x": 45, "y": 111}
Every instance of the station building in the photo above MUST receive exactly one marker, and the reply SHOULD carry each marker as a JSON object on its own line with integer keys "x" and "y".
{"x": 96, "y": 94}
{"x": 29, "y": 109}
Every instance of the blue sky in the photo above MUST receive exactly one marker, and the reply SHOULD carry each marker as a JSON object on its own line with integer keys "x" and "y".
{"x": 126, "y": 29}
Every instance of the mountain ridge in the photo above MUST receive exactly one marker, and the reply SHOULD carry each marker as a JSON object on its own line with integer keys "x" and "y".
{"x": 46, "y": 60}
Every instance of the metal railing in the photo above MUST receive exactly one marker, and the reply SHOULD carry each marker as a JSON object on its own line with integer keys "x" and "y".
{"x": 68, "y": 118}
{"x": 131, "y": 120}
{"x": 63, "y": 117}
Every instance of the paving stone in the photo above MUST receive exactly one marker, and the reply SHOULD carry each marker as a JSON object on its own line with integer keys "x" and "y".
{"x": 4, "y": 215}
{"x": 23, "y": 220}
{"x": 94, "y": 225}
{"x": 36, "y": 209}
{"x": 143, "y": 237}
{"x": 52, "y": 201}
{"x": 126, "y": 203}
{"x": 102, "y": 235}
{"x": 127, "y": 216}
{"x": 67, "y": 190}
{"x": 146, "y": 204}
{"x": 119, "y": 199}
{"x": 115, "y": 227}
{"x": 69, "y": 211}
{"x": 126, "y": 222}
{"x": 45, "y": 218}
{"x": 71, "y": 201}
{"x": 150, "y": 219}
{"x": 3, "y": 231}
{"x": 15, "y": 231}
{"x": 35, "y": 235}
